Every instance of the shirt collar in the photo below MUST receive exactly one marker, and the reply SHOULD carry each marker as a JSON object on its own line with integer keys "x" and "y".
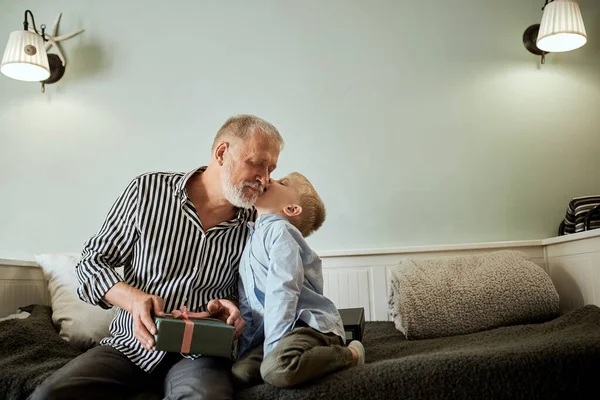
{"x": 268, "y": 219}
{"x": 243, "y": 214}
{"x": 179, "y": 189}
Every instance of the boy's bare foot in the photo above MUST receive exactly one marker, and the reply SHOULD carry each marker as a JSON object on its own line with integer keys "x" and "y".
{"x": 358, "y": 352}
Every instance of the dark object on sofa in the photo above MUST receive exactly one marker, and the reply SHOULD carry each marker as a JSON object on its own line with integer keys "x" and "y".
{"x": 354, "y": 323}
{"x": 551, "y": 360}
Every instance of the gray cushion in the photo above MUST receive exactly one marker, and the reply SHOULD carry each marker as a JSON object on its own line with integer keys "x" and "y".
{"x": 455, "y": 295}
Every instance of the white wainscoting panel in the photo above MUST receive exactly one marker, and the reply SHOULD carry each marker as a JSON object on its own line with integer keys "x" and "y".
{"x": 21, "y": 285}
{"x": 349, "y": 288}
{"x": 574, "y": 267}
{"x": 15, "y": 294}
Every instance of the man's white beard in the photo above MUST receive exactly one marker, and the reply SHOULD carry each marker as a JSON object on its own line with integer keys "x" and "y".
{"x": 235, "y": 194}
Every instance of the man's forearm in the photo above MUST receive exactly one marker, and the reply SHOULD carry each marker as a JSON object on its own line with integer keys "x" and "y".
{"x": 122, "y": 295}
{"x": 141, "y": 306}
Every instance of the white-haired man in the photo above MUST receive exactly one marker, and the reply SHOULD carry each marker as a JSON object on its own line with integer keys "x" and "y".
{"x": 179, "y": 238}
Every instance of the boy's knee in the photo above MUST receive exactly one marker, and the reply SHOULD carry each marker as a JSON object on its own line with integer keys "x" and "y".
{"x": 279, "y": 371}
{"x": 245, "y": 374}
{"x": 278, "y": 378}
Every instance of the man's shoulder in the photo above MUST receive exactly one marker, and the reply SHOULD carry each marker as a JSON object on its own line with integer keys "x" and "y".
{"x": 161, "y": 175}
{"x": 159, "y": 178}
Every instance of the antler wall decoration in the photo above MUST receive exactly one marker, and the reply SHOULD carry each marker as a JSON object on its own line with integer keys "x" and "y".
{"x": 53, "y": 39}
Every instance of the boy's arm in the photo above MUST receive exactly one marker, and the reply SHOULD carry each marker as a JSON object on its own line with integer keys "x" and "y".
{"x": 284, "y": 283}
{"x": 244, "y": 342}
{"x": 243, "y": 305}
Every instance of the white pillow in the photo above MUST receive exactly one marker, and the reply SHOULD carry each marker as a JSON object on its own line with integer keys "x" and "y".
{"x": 79, "y": 323}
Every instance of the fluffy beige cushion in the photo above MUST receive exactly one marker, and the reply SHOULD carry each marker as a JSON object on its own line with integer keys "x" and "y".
{"x": 81, "y": 324}
{"x": 451, "y": 296}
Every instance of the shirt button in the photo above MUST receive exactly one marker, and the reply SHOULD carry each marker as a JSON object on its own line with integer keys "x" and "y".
{"x": 184, "y": 298}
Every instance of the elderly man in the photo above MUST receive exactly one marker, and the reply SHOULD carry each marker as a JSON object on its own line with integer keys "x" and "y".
{"x": 179, "y": 238}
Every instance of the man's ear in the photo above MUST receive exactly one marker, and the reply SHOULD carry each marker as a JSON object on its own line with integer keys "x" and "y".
{"x": 219, "y": 152}
{"x": 292, "y": 210}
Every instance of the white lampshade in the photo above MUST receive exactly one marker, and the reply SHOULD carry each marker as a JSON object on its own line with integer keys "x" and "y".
{"x": 562, "y": 27}
{"x": 25, "y": 57}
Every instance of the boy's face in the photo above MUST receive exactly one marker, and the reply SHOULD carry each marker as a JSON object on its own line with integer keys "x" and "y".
{"x": 281, "y": 198}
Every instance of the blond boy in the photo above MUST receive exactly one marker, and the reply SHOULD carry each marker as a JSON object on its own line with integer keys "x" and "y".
{"x": 293, "y": 333}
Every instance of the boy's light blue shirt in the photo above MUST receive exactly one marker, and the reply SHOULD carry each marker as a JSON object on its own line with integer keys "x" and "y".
{"x": 281, "y": 282}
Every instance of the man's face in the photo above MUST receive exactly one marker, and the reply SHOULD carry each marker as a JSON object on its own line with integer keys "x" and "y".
{"x": 247, "y": 169}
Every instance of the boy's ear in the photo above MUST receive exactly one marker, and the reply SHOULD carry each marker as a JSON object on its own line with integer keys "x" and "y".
{"x": 292, "y": 210}
{"x": 220, "y": 152}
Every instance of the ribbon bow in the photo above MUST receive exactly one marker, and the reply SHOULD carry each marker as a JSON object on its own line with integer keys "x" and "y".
{"x": 188, "y": 332}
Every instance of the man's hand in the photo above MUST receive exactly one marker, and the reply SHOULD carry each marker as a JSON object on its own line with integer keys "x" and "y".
{"x": 141, "y": 306}
{"x": 228, "y": 312}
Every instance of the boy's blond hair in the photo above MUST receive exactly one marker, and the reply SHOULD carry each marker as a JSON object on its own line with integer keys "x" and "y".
{"x": 313, "y": 209}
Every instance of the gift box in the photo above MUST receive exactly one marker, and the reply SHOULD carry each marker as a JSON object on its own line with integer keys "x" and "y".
{"x": 354, "y": 323}
{"x": 182, "y": 333}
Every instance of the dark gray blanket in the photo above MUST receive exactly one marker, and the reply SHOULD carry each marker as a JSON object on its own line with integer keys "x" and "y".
{"x": 30, "y": 350}
{"x": 552, "y": 360}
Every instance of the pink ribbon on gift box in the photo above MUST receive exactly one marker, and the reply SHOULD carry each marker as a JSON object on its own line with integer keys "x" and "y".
{"x": 188, "y": 332}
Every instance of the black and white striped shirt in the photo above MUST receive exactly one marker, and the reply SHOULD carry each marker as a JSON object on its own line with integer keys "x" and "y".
{"x": 154, "y": 233}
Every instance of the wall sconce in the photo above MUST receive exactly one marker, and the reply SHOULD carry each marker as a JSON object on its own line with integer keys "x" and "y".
{"x": 26, "y": 58}
{"x": 561, "y": 29}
